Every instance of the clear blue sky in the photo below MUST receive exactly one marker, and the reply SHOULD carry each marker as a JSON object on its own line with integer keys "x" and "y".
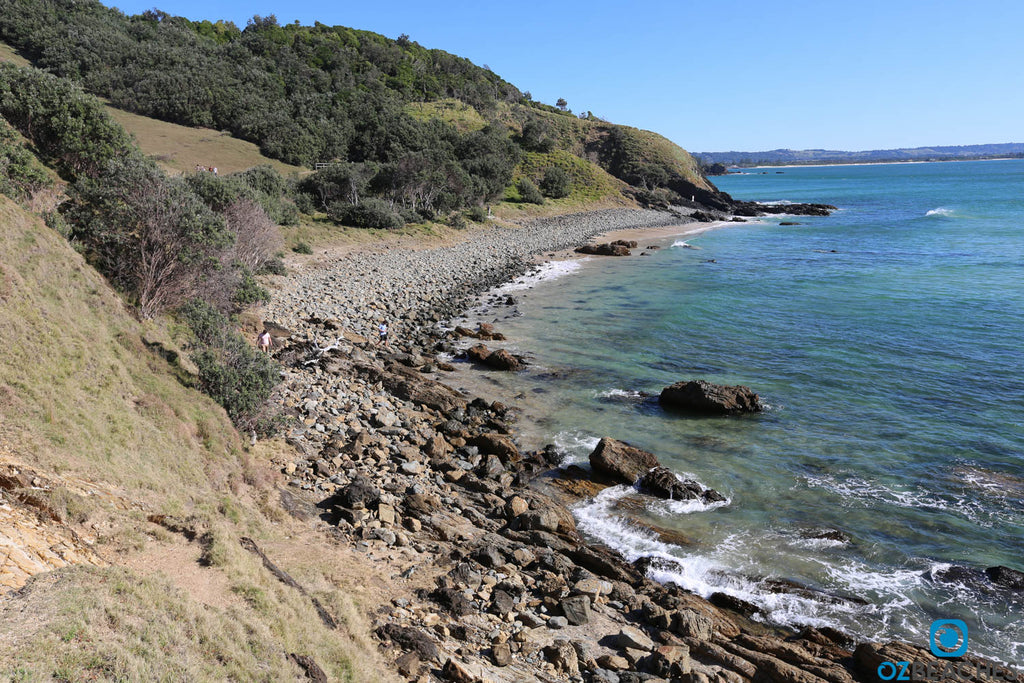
{"x": 718, "y": 75}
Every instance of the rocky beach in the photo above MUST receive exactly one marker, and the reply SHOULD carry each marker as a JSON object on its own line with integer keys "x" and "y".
{"x": 493, "y": 580}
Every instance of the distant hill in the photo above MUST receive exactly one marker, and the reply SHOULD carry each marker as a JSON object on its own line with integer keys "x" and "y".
{"x": 779, "y": 157}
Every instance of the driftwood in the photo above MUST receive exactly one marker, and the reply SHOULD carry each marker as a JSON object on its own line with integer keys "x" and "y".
{"x": 287, "y": 580}
{"x": 309, "y": 665}
{"x": 318, "y": 352}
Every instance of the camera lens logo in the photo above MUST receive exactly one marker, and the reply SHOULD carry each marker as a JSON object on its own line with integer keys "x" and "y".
{"x": 948, "y": 638}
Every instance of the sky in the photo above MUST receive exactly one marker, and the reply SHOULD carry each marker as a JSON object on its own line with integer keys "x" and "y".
{"x": 721, "y": 75}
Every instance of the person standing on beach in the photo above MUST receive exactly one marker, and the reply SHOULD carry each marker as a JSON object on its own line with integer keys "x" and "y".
{"x": 382, "y": 329}
{"x": 263, "y": 341}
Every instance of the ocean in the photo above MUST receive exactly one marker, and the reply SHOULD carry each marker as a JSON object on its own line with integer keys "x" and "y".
{"x": 888, "y": 470}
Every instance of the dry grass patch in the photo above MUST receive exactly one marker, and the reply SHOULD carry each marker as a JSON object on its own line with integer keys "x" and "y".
{"x": 88, "y": 623}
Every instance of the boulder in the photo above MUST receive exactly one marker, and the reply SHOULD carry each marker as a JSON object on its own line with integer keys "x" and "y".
{"x": 576, "y": 609}
{"x": 410, "y": 639}
{"x": 478, "y": 353}
{"x": 503, "y": 360}
{"x": 605, "y": 249}
{"x": 699, "y": 396}
{"x": 410, "y": 385}
{"x": 633, "y": 638}
{"x": 496, "y": 444}
{"x": 359, "y": 493}
{"x": 669, "y": 661}
{"x": 663, "y": 483}
{"x": 501, "y": 654}
{"x": 621, "y": 462}
{"x": 1006, "y": 577}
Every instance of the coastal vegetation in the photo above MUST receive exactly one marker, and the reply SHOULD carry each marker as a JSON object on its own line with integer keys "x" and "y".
{"x": 429, "y": 133}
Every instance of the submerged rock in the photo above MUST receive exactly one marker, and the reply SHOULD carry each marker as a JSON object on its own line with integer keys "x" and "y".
{"x": 700, "y": 396}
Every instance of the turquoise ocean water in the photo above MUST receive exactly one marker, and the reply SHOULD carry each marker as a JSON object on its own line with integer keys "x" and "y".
{"x": 886, "y": 339}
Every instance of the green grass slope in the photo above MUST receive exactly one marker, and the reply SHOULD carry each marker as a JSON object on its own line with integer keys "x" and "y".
{"x": 180, "y": 148}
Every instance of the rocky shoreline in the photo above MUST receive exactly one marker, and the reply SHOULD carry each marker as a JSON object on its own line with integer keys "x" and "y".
{"x": 492, "y": 580}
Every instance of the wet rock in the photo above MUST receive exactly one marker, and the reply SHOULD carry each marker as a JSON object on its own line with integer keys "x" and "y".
{"x": 699, "y": 396}
{"x": 478, "y": 353}
{"x": 734, "y": 604}
{"x": 663, "y": 483}
{"x": 604, "y": 249}
{"x": 503, "y": 360}
{"x": 621, "y": 462}
{"x": 1006, "y": 577}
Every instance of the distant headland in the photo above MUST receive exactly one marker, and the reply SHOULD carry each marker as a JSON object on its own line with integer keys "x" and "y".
{"x": 717, "y": 163}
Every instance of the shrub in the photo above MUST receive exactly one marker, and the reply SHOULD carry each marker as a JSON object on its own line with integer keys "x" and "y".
{"x": 233, "y": 373}
{"x": 302, "y": 248}
{"x": 274, "y": 266}
{"x": 304, "y": 203}
{"x": 457, "y": 221}
{"x": 477, "y": 214}
{"x": 21, "y": 174}
{"x": 248, "y": 291}
{"x": 370, "y": 213}
{"x": 528, "y": 192}
{"x": 257, "y": 238}
{"x": 556, "y": 183}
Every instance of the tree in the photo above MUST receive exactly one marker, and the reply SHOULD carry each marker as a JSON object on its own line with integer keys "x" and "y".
{"x": 149, "y": 234}
{"x": 561, "y": 103}
{"x": 556, "y": 183}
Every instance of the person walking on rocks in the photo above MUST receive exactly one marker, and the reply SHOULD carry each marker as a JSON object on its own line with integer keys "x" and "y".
{"x": 382, "y": 329}
{"x": 263, "y": 341}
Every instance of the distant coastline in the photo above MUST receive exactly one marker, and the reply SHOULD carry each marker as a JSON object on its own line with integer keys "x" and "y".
{"x": 867, "y": 163}
{"x": 716, "y": 163}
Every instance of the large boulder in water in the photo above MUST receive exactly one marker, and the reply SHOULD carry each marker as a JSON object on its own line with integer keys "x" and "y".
{"x": 621, "y": 462}
{"x": 662, "y": 482}
{"x": 1006, "y": 577}
{"x": 606, "y": 249}
{"x": 699, "y": 396}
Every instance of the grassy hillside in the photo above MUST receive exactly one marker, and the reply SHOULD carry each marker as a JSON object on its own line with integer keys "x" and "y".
{"x": 178, "y": 149}
{"x": 103, "y": 434}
